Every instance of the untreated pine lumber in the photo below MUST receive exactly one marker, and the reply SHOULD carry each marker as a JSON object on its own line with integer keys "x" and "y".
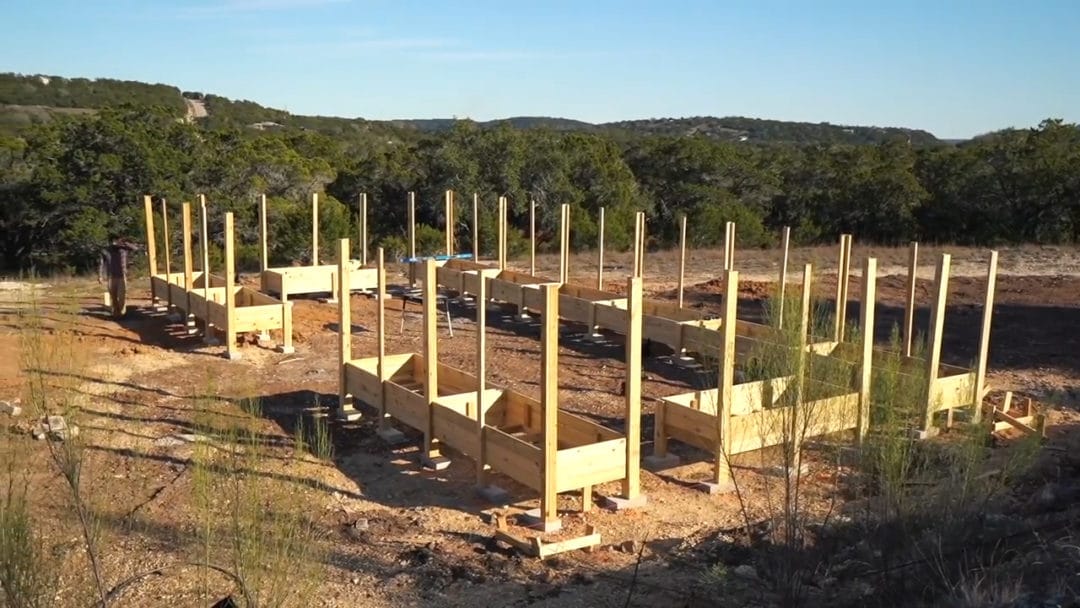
{"x": 843, "y": 273}
{"x": 476, "y": 226}
{"x": 151, "y": 243}
{"x": 722, "y": 469}
{"x": 411, "y": 220}
{"x": 346, "y": 409}
{"x": 189, "y": 272}
{"x": 314, "y": 228}
{"x": 631, "y": 496}
{"x": 866, "y": 322}
{"x": 532, "y": 238}
{"x": 984, "y": 336}
{"x": 549, "y": 404}
{"x": 564, "y": 244}
{"x": 448, "y": 204}
{"x": 231, "y": 350}
{"x": 785, "y": 244}
{"x": 481, "y": 375}
{"x": 600, "y": 253}
{"x": 909, "y": 302}
{"x": 204, "y": 242}
{"x": 682, "y": 258}
{"x": 937, "y": 325}
{"x": 363, "y": 221}
{"x": 430, "y": 456}
{"x": 536, "y": 547}
{"x": 264, "y": 257}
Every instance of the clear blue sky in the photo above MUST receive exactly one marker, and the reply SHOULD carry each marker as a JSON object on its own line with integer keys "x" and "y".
{"x": 954, "y": 67}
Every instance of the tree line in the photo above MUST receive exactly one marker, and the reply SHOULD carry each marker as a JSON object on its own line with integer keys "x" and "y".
{"x": 65, "y": 184}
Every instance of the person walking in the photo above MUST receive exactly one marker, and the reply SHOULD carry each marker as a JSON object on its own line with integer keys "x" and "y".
{"x": 113, "y": 267}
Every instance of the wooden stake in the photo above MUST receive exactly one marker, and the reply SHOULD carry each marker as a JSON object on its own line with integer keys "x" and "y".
{"x": 564, "y": 244}
{"x": 984, "y": 336}
{"x": 549, "y": 405}
{"x": 909, "y": 306}
{"x": 631, "y": 484}
{"x": 363, "y": 229}
{"x": 866, "y": 358}
{"x": 412, "y": 226}
{"x": 314, "y": 228}
{"x": 476, "y": 227}
{"x": 639, "y": 244}
{"x": 165, "y": 236}
{"x": 729, "y": 246}
{"x": 189, "y": 282}
{"x": 208, "y": 335}
{"x": 345, "y": 400}
{"x": 481, "y": 376}
{"x": 532, "y": 238}
{"x": 448, "y": 205}
{"x": 937, "y": 324}
{"x": 431, "y": 357}
{"x": 231, "y": 349}
{"x": 785, "y": 243}
{"x": 380, "y": 332}
{"x": 600, "y": 254}
{"x": 264, "y": 256}
{"x": 842, "y": 277}
{"x": 726, "y": 392}
{"x": 151, "y": 244}
{"x": 502, "y": 233}
{"x": 682, "y": 258}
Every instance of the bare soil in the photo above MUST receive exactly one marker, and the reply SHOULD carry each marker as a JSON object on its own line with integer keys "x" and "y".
{"x": 429, "y": 543}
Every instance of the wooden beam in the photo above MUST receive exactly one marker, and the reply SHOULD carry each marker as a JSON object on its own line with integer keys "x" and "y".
{"x": 564, "y": 244}
{"x": 639, "y": 244}
{"x": 682, "y": 258}
{"x": 909, "y": 303}
{"x": 231, "y": 348}
{"x": 264, "y": 254}
{"x": 866, "y": 359}
{"x": 151, "y": 244}
{"x": 448, "y": 212}
{"x": 502, "y": 233}
{"x": 549, "y": 405}
{"x": 431, "y": 356}
{"x": 476, "y": 227}
{"x": 363, "y": 229}
{"x": 411, "y": 220}
{"x": 481, "y": 376}
{"x": 189, "y": 281}
{"x": 600, "y": 254}
{"x": 984, "y": 336}
{"x": 532, "y": 238}
{"x": 314, "y": 228}
{"x": 165, "y": 236}
{"x": 208, "y": 334}
{"x": 843, "y": 272}
{"x": 726, "y": 377}
{"x": 345, "y": 400}
{"x": 785, "y": 245}
{"x": 380, "y": 333}
{"x": 937, "y": 325}
{"x": 729, "y": 246}
{"x": 631, "y": 484}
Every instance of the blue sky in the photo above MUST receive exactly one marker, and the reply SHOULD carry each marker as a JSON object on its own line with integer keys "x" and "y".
{"x": 954, "y": 67}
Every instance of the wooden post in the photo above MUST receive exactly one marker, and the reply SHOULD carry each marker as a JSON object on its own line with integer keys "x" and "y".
{"x": 167, "y": 245}
{"x": 346, "y": 411}
{"x": 314, "y": 228}
{"x": 380, "y": 332}
{"x": 785, "y": 243}
{"x": 843, "y": 272}
{"x": 866, "y": 359}
{"x": 909, "y": 305}
{"x": 264, "y": 255}
{"x": 729, "y": 246}
{"x": 208, "y": 333}
{"x": 502, "y": 233}
{"x": 532, "y": 238}
{"x": 600, "y": 254}
{"x": 363, "y": 229}
{"x": 639, "y": 244}
{"x": 631, "y": 484}
{"x": 564, "y": 243}
{"x": 481, "y": 376}
{"x": 722, "y": 470}
{"x": 411, "y": 221}
{"x": 800, "y": 415}
{"x": 476, "y": 227}
{"x": 151, "y": 243}
{"x": 448, "y": 211}
{"x": 430, "y": 454}
{"x": 937, "y": 324}
{"x": 984, "y": 336}
{"x": 549, "y": 406}
{"x": 189, "y": 281}
{"x": 231, "y": 350}
{"x": 682, "y": 258}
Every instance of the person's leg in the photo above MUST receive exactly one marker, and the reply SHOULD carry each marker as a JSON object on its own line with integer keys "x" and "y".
{"x": 116, "y": 296}
{"x": 122, "y": 294}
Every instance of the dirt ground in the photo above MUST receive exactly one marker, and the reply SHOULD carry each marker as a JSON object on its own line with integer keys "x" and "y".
{"x": 429, "y": 543}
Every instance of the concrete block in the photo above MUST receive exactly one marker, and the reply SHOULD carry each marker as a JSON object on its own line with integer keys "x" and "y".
{"x": 715, "y": 488}
{"x": 618, "y": 503}
{"x": 493, "y": 494}
{"x": 349, "y": 415}
{"x": 659, "y": 463}
{"x": 56, "y": 423}
{"x": 286, "y": 350}
{"x": 532, "y": 519}
{"x": 921, "y": 434}
{"x": 438, "y": 463}
{"x": 390, "y": 435}
{"x": 233, "y": 356}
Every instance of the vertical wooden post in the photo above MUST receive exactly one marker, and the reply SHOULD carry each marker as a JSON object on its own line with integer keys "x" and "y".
{"x": 909, "y": 304}
{"x": 532, "y": 238}
{"x": 476, "y": 227}
{"x": 843, "y": 276}
{"x": 631, "y": 484}
{"x": 208, "y": 333}
{"x": 549, "y": 406}
{"x": 682, "y": 258}
{"x": 800, "y": 415}
{"x": 729, "y": 246}
{"x": 502, "y": 233}
{"x": 937, "y": 325}
{"x": 785, "y": 243}
{"x": 380, "y": 332}
{"x": 430, "y": 454}
{"x": 411, "y": 221}
{"x": 639, "y": 244}
{"x": 725, "y": 394}
{"x": 264, "y": 252}
{"x": 600, "y": 254}
{"x": 231, "y": 349}
{"x": 984, "y": 337}
{"x": 151, "y": 243}
{"x": 363, "y": 229}
{"x": 564, "y": 243}
{"x": 314, "y": 228}
{"x": 346, "y": 410}
{"x": 481, "y": 378}
{"x": 189, "y": 281}
{"x": 866, "y": 359}
{"x": 448, "y": 211}
{"x": 167, "y": 246}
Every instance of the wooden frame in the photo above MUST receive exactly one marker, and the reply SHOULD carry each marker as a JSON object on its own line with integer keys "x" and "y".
{"x": 218, "y": 302}
{"x": 287, "y": 281}
{"x": 528, "y": 440}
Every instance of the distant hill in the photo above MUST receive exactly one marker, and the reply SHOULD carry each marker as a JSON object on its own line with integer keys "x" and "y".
{"x": 29, "y": 99}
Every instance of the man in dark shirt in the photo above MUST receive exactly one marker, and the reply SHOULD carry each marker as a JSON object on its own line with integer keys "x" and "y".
{"x": 114, "y": 263}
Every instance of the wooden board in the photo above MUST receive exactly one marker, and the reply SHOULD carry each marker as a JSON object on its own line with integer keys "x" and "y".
{"x": 590, "y": 465}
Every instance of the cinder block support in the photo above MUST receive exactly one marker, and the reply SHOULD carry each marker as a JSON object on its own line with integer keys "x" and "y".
{"x": 346, "y": 409}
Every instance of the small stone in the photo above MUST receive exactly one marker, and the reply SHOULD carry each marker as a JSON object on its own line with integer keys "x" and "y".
{"x": 56, "y": 423}
{"x": 11, "y": 408}
{"x": 745, "y": 571}
{"x": 629, "y": 546}
{"x": 355, "y": 580}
